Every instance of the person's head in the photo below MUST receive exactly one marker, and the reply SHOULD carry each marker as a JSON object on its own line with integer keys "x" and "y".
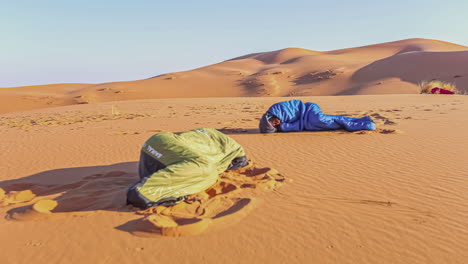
{"x": 274, "y": 121}
{"x": 269, "y": 123}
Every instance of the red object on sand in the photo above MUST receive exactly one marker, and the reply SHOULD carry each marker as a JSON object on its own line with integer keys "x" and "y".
{"x": 438, "y": 90}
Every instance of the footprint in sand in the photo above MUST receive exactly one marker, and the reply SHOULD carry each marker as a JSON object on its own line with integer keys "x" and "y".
{"x": 126, "y": 133}
{"x": 379, "y": 130}
{"x": 382, "y": 120}
{"x": 389, "y": 131}
{"x": 361, "y": 132}
{"x": 91, "y": 193}
{"x": 45, "y": 206}
{"x": 28, "y": 212}
{"x": 187, "y": 219}
{"x": 38, "y": 211}
{"x": 15, "y": 197}
{"x": 389, "y": 122}
{"x": 227, "y": 202}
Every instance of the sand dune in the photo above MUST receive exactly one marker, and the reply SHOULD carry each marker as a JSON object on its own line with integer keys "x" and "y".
{"x": 394, "y": 195}
{"x": 446, "y": 66}
{"x": 387, "y": 68}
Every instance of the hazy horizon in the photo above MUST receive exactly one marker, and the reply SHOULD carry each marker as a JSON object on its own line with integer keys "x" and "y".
{"x": 87, "y": 42}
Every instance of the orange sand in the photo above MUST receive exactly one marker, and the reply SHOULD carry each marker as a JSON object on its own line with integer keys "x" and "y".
{"x": 387, "y": 68}
{"x": 396, "y": 195}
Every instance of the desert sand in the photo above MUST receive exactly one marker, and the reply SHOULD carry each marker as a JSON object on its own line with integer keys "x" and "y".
{"x": 395, "y": 195}
{"x": 387, "y": 68}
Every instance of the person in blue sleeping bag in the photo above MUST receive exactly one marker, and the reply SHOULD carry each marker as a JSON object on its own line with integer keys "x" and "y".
{"x": 295, "y": 115}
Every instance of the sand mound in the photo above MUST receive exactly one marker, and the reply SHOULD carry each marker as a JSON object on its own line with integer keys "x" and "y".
{"x": 225, "y": 203}
{"x": 419, "y": 66}
{"x": 401, "y": 46}
{"x": 279, "y": 56}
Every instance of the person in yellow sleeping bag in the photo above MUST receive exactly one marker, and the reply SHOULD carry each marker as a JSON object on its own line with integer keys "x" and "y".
{"x": 174, "y": 165}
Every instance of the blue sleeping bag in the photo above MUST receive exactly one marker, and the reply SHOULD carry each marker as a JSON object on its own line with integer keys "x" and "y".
{"x": 296, "y": 115}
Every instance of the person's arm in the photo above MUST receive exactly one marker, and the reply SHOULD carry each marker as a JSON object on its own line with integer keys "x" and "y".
{"x": 287, "y": 111}
{"x": 234, "y": 154}
{"x": 176, "y": 180}
{"x": 291, "y": 127}
{"x": 231, "y": 148}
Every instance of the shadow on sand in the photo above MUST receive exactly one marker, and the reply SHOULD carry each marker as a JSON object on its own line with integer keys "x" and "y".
{"x": 85, "y": 190}
{"x": 239, "y": 131}
{"x": 81, "y": 188}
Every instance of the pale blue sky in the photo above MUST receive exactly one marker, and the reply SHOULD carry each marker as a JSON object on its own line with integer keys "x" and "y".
{"x": 45, "y": 41}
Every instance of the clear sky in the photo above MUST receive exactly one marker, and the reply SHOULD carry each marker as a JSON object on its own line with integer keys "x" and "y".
{"x": 91, "y": 41}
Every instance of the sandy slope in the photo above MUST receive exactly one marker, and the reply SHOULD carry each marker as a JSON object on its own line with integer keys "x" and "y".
{"x": 397, "y": 195}
{"x": 386, "y": 68}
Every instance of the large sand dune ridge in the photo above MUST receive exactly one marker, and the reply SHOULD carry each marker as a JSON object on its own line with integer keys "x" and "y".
{"x": 388, "y": 68}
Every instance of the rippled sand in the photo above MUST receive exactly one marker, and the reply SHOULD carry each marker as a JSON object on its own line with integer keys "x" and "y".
{"x": 395, "y": 195}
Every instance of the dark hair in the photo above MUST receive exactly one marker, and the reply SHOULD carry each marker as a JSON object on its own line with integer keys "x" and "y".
{"x": 265, "y": 126}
